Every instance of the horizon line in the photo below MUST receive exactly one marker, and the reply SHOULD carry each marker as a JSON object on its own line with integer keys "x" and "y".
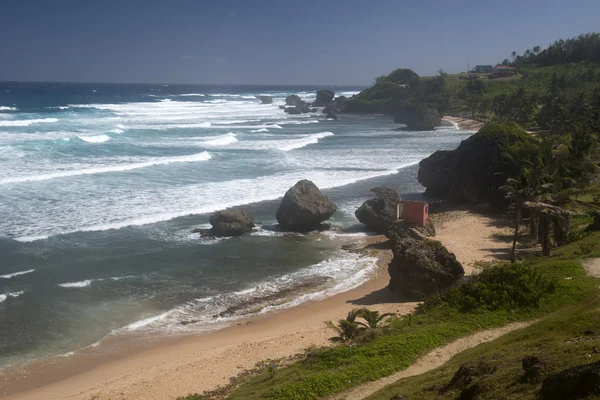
{"x": 179, "y": 84}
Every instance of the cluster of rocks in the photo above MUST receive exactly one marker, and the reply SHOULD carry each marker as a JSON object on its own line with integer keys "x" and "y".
{"x": 303, "y": 209}
{"x": 420, "y": 266}
{"x": 332, "y": 106}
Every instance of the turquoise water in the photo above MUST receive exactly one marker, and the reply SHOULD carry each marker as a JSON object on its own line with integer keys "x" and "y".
{"x": 101, "y": 185}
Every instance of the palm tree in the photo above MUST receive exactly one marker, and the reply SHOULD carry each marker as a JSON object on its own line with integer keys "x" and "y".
{"x": 347, "y": 329}
{"x": 517, "y": 192}
{"x": 513, "y": 55}
{"x": 536, "y": 50}
{"x": 373, "y": 318}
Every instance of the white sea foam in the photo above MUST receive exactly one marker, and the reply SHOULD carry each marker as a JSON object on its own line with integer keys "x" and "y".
{"x": 4, "y": 108}
{"x": 5, "y": 296}
{"x": 27, "y": 122}
{"x": 260, "y": 130}
{"x": 221, "y": 140}
{"x": 312, "y": 121}
{"x": 95, "y": 139}
{"x": 191, "y": 95}
{"x": 8, "y": 276}
{"x": 282, "y": 144}
{"x": 204, "y": 156}
{"x": 116, "y": 212}
{"x": 80, "y": 284}
{"x": 343, "y": 270}
{"x": 299, "y": 143}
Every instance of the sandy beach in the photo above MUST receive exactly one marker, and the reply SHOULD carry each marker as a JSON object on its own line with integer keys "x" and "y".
{"x": 198, "y": 363}
{"x": 465, "y": 123}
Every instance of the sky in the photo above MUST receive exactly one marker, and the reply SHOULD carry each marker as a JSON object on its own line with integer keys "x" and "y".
{"x": 334, "y": 42}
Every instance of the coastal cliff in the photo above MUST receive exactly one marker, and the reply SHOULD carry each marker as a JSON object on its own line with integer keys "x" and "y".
{"x": 475, "y": 171}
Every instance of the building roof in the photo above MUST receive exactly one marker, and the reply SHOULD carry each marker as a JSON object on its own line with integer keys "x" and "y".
{"x": 504, "y": 67}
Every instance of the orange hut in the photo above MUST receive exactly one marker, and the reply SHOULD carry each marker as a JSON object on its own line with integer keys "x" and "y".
{"x": 412, "y": 212}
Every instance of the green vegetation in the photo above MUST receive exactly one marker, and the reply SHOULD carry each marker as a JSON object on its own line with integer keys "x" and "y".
{"x": 350, "y": 331}
{"x": 497, "y": 296}
{"x": 552, "y": 88}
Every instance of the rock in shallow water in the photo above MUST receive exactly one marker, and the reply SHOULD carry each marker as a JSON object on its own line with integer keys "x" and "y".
{"x": 324, "y": 97}
{"x": 379, "y": 213}
{"x": 228, "y": 223}
{"x": 304, "y": 208}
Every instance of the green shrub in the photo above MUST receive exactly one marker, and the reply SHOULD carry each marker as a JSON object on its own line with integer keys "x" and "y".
{"x": 504, "y": 287}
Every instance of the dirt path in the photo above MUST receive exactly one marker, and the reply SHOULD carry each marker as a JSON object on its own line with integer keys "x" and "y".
{"x": 430, "y": 361}
{"x": 592, "y": 267}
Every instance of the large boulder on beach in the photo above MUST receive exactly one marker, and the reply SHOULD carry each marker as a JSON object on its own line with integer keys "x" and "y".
{"x": 418, "y": 117}
{"x": 230, "y": 223}
{"x": 420, "y": 267}
{"x": 266, "y": 99}
{"x": 324, "y": 97}
{"x": 379, "y": 213}
{"x": 304, "y": 208}
{"x": 474, "y": 172}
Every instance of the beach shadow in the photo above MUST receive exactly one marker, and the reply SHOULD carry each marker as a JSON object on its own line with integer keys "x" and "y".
{"x": 384, "y": 295}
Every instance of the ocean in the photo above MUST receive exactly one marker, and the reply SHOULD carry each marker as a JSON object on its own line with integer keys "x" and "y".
{"x": 101, "y": 186}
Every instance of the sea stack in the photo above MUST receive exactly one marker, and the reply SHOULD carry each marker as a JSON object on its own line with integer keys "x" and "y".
{"x": 379, "y": 213}
{"x": 304, "y": 208}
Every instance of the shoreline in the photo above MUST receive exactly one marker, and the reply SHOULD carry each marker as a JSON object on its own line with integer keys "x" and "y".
{"x": 243, "y": 344}
{"x": 465, "y": 123}
{"x": 170, "y": 368}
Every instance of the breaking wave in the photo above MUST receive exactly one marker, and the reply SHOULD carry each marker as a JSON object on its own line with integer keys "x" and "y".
{"x": 204, "y": 156}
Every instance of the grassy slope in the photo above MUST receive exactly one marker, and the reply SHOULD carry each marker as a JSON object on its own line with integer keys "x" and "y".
{"x": 333, "y": 370}
{"x": 552, "y": 339}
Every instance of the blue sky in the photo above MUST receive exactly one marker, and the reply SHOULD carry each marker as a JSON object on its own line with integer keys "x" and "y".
{"x": 272, "y": 42}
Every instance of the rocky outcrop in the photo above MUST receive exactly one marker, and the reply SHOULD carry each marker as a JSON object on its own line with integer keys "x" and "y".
{"x": 420, "y": 268}
{"x": 474, "y": 172}
{"x": 228, "y": 223}
{"x": 467, "y": 378}
{"x": 418, "y": 117}
{"x": 379, "y": 213}
{"x": 572, "y": 383}
{"x": 304, "y": 208}
{"x": 266, "y": 99}
{"x": 324, "y": 97}
{"x": 338, "y": 105}
{"x": 298, "y": 106}
{"x": 293, "y": 100}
